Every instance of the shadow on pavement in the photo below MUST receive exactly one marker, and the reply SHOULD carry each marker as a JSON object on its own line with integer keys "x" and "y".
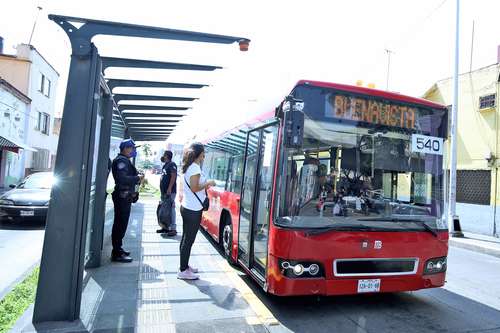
{"x": 24, "y": 225}
{"x": 222, "y": 296}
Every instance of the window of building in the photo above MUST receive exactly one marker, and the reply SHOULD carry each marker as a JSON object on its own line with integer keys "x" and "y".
{"x": 45, "y": 85}
{"x": 43, "y": 123}
{"x": 487, "y": 101}
{"x": 41, "y": 159}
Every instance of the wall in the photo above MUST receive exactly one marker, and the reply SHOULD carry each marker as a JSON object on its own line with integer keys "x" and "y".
{"x": 477, "y": 137}
{"x": 40, "y": 103}
{"x": 15, "y": 71}
{"x": 13, "y": 114}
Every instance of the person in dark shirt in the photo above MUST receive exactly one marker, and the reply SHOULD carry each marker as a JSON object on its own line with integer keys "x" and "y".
{"x": 168, "y": 189}
{"x": 126, "y": 178}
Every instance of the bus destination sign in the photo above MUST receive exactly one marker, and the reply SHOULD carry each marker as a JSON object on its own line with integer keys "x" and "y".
{"x": 370, "y": 111}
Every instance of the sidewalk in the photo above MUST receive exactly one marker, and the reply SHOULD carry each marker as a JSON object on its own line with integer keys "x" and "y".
{"x": 146, "y": 296}
{"x": 478, "y": 243}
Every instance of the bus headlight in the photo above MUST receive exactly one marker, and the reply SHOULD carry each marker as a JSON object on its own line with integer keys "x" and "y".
{"x": 435, "y": 265}
{"x": 303, "y": 269}
{"x": 298, "y": 269}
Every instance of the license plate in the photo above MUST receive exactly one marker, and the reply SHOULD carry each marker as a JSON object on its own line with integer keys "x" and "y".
{"x": 369, "y": 286}
{"x": 27, "y": 213}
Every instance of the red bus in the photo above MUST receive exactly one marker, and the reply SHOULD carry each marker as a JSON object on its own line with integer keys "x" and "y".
{"x": 337, "y": 191}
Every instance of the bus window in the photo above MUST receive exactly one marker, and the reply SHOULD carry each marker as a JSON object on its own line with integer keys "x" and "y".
{"x": 216, "y": 166}
{"x": 348, "y": 175}
{"x": 236, "y": 174}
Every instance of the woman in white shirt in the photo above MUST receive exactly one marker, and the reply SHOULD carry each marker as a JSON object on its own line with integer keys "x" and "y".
{"x": 194, "y": 193}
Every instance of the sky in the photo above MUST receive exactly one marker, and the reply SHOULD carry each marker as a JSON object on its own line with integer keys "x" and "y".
{"x": 336, "y": 41}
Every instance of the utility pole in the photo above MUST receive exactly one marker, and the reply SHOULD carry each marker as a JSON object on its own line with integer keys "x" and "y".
{"x": 388, "y": 67}
{"x": 34, "y": 24}
{"x": 453, "y": 221}
{"x": 471, "y": 47}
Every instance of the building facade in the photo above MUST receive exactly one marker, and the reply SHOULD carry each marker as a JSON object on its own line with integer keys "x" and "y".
{"x": 30, "y": 73}
{"x": 478, "y": 151}
{"x": 14, "y": 113}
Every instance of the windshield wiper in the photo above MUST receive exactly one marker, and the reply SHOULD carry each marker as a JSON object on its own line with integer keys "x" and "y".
{"x": 393, "y": 219}
{"x": 322, "y": 230}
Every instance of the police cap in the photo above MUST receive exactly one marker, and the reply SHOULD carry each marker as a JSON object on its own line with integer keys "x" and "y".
{"x": 128, "y": 143}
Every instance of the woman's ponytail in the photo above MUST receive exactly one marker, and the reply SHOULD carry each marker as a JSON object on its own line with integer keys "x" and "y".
{"x": 191, "y": 154}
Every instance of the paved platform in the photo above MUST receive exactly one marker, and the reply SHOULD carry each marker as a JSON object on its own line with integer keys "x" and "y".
{"x": 478, "y": 243}
{"x": 146, "y": 296}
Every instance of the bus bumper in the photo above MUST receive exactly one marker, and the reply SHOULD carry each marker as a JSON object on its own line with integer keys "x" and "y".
{"x": 280, "y": 285}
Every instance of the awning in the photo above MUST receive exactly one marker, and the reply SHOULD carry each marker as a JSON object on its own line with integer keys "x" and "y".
{"x": 12, "y": 145}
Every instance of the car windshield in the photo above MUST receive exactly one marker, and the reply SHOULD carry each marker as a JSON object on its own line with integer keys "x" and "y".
{"x": 348, "y": 174}
{"x": 42, "y": 180}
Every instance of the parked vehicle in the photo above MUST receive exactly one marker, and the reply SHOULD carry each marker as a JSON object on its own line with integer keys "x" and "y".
{"x": 28, "y": 200}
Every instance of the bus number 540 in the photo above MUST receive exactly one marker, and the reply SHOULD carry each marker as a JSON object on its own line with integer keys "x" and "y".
{"x": 426, "y": 144}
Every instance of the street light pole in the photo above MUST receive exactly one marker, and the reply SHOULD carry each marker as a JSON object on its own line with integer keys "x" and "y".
{"x": 34, "y": 24}
{"x": 453, "y": 221}
{"x": 388, "y": 67}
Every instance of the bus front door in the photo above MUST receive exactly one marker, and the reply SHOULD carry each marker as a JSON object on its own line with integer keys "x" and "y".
{"x": 256, "y": 198}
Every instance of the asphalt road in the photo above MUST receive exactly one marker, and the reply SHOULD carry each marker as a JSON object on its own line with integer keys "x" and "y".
{"x": 470, "y": 302}
{"x": 20, "y": 249}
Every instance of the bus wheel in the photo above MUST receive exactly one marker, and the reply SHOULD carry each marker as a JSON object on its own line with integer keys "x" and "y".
{"x": 227, "y": 242}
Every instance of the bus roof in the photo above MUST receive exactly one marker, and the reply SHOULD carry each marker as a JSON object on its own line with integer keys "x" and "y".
{"x": 372, "y": 92}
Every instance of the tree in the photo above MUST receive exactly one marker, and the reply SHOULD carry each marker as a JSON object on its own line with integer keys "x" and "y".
{"x": 146, "y": 149}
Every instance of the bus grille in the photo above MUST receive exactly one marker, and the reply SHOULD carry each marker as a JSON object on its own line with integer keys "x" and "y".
{"x": 371, "y": 266}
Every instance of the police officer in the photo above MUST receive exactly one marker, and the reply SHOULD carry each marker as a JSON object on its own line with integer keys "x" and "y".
{"x": 126, "y": 178}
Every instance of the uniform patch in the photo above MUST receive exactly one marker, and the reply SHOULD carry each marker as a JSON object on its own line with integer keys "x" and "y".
{"x": 121, "y": 166}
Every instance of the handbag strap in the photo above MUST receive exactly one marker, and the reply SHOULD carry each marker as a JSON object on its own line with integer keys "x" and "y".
{"x": 197, "y": 197}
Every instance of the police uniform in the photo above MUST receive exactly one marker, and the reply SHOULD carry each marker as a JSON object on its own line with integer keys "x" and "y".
{"x": 126, "y": 178}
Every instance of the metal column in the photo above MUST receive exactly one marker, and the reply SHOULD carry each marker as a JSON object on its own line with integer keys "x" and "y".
{"x": 61, "y": 269}
{"x": 97, "y": 231}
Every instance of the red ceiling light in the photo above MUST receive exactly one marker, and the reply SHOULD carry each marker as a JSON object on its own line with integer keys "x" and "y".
{"x": 244, "y": 43}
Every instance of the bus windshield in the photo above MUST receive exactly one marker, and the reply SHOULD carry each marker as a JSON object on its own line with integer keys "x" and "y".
{"x": 353, "y": 177}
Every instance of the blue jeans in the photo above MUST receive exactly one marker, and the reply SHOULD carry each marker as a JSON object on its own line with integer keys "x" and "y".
{"x": 164, "y": 197}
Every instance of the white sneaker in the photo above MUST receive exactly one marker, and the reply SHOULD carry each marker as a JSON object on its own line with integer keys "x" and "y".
{"x": 187, "y": 275}
{"x": 192, "y": 269}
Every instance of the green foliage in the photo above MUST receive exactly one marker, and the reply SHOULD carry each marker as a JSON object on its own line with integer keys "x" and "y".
{"x": 17, "y": 301}
{"x": 146, "y": 149}
{"x": 147, "y": 190}
{"x": 146, "y": 165}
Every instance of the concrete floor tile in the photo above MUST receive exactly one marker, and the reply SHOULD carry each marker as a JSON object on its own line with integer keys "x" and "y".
{"x": 229, "y": 325}
{"x": 154, "y": 317}
{"x": 114, "y": 321}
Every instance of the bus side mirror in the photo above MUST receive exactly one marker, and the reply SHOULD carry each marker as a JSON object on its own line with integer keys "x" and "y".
{"x": 293, "y": 120}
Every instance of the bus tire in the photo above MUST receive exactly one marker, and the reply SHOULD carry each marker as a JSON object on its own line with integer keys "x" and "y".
{"x": 226, "y": 238}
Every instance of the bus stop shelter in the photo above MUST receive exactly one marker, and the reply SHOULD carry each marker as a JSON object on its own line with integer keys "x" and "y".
{"x": 92, "y": 114}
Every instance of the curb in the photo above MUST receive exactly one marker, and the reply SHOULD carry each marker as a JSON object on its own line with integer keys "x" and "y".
{"x": 20, "y": 279}
{"x": 475, "y": 247}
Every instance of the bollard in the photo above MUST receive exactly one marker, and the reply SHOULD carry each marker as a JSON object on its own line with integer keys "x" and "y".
{"x": 457, "y": 229}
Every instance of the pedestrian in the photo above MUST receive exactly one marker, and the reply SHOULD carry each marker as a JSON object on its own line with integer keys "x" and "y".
{"x": 126, "y": 178}
{"x": 192, "y": 205}
{"x": 168, "y": 189}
